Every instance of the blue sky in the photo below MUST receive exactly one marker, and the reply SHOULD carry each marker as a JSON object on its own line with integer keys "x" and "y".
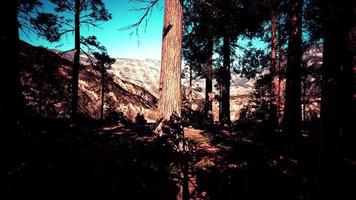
{"x": 118, "y": 43}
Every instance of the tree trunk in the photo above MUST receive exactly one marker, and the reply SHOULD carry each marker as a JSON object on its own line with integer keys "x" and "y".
{"x": 225, "y": 89}
{"x": 347, "y": 87}
{"x": 11, "y": 101}
{"x": 190, "y": 89}
{"x": 338, "y": 103}
{"x": 208, "y": 106}
{"x": 292, "y": 114}
{"x": 350, "y": 79}
{"x": 281, "y": 82}
{"x": 274, "y": 69}
{"x": 11, "y": 104}
{"x": 102, "y": 93}
{"x": 76, "y": 62}
{"x": 170, "y": 78}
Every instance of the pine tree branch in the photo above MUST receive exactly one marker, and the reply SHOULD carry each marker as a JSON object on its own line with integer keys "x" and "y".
{"x": 144, "y": 18}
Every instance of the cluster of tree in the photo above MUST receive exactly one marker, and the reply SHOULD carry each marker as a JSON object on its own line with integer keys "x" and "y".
{"x": 198, "y": 30}
{"x": 213, "y": 27}
{"x": 68, "y": 17}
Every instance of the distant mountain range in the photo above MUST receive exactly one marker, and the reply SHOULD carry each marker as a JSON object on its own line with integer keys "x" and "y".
{"x": 45, "y": 77}
{"x": 132, "y": 85}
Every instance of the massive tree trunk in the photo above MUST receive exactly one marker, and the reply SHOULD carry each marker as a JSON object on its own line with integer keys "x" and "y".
{"x": 11, "y": 104}
{"x": 170, "y": 78}
{"x": 11, "y": 101}
{"x": 350, "y": 78}
{"x": 76, "y": 62}
{"x": 225, "y": 89}
{"x": 347, "y": 88}
{"x": 208, "y": 106}
{"x": 274, "y": 68}
{"x": 338, "y": 97}
{"x": 292, "y": 114}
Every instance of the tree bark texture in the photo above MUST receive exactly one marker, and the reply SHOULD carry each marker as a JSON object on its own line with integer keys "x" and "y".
{"x": 170, "y": 76}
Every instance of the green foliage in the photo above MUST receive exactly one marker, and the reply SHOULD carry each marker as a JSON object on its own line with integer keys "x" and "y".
{"x": 252, "y": 61}
{"x": 27, "y": 6}
{"x": 102, "y": 59}
{"x": 193, "y": 117}
{"x": 31, "y": 19}
{"x": 172, "y": 137}
{"x": 47, "y": 26}
{"x": 205, "y": 22}
{"x": 312, "y": 23}
{"x": 95, "y": 8}
{"x": 140, "y": 119}
{"x": 255, "y": 117}
{"x": 90, "y": 12}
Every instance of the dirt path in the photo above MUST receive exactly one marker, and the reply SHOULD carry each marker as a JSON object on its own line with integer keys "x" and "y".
{"x": 202, "y": 141}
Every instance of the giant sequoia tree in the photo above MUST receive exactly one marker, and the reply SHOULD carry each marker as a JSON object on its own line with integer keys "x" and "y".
{"x": 170, "y": 77}
{"x": 85, "y": 12}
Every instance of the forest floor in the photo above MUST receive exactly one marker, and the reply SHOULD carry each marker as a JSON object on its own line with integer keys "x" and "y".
{"x": 51, "y": 161}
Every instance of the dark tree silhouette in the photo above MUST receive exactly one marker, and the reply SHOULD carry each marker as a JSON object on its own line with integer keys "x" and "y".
{"x": 16, "y": 15}
{"x": 292, "y": 114}
{"x": 225, "y": 85}
{"x": 99, "y": 58}
{"x": 234, "y": 19}
{"x": 338, "y": 92}
{"x": 103, "y": 62}
{"x": 198, "y": 44}
{"x": 11, "y": 104}
{"x": 89, "y": 13}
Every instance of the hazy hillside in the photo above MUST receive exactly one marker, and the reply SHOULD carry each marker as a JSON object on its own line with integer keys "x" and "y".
{"x": 133, "y": 85}
{"x": 45, "y": 77}
{"x": 145, "y": 73}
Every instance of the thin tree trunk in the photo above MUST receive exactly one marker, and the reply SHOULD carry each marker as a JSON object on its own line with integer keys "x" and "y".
{"x": 76, "y": 62}
{"x": 190, "y": 90}
{"x": 281, "y": 85}
{"x": 102, "y": 93}
{"x": 208, "y": 106}
{"x": 170, "y": 78}
{"x": 292, "y": 114}
{"x": 225, "y": 90}
{"x": 304, "y": 98}
{"x": 274, "y": 68}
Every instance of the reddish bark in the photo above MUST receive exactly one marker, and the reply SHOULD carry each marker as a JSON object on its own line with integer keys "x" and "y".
{"x": 274, "y": 68}
{"x": 170, "y": 77}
